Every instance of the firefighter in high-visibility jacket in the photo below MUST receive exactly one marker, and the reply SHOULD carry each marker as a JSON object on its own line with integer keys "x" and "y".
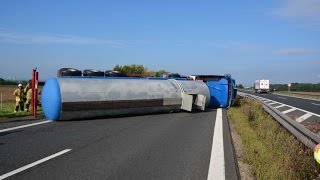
{"x": 19, "y": 93}
{"x": 28, "y": 92}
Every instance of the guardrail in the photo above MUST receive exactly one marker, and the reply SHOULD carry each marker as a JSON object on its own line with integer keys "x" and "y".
{"x": 304, "y": 135}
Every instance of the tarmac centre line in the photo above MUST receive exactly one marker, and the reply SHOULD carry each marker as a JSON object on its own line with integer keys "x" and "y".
{"x": 23, "y": 126}
{"x": 33, "y": 164}
{"x": 217, "y": 164}
{"x": 315, "y": 104}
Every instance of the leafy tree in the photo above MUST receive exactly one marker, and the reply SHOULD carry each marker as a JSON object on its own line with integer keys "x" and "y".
{"x": 117, "y": 68}
{"x": 4, "y": 82}
{"x": 141, "y": 70}
{"x": 138, "y": 70}
{"x": 240, "y": 86}
{"x": 161, "y": 72}
{"x": 131, "y": 69}
{"x": 306, "y": 87}
{"x": 126, "y": 69}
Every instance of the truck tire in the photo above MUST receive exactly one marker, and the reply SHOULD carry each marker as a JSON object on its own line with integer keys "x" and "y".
{"x": 110, "y": 73}
{"x": 92, "y": 72}
{"x": 69, "y": 72}
{"x": 174, "y": 75}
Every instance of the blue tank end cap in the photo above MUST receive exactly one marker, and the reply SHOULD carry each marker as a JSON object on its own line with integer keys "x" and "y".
{"x": 51, "y": 99}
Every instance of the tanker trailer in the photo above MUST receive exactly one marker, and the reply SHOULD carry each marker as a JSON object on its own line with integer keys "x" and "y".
{"x": 88, "y": 98}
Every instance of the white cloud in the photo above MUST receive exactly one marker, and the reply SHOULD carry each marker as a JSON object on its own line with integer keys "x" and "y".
{"x": 297, "y": 51}
{"x": 306, "y": 11}
{"x": 46, "y": 38}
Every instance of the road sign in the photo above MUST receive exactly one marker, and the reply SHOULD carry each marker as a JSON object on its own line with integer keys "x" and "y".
{"x": 289, "y": 84}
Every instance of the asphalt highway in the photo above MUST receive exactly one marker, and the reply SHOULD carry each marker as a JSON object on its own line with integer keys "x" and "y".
{"x": 305, "y": 104}
{"x": 161, "y": 146}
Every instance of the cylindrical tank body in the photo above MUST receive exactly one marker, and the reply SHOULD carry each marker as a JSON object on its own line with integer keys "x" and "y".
{"x": 194, "y": 88}
{"x": 80, "y": 98}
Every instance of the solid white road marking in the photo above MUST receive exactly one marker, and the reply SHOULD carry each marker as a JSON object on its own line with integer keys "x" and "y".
{"x": 282, "y": 105}
{"x": 33, "y": 164}
{"x": 289, "y": 110}
{"x": 217, "y": 166}
{"x": 24, "y": 126}
{"x": 282, "y": 98}
{"x": 315, "y": 104}
{"x": 304, "y": 117}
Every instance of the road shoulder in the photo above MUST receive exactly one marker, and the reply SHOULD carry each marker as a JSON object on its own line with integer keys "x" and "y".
{"x": 244, "y": 168}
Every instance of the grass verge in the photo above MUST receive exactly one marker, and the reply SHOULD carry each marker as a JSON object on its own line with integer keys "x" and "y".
{"x": 7, "y": 111}
{"x": 271, "y": 150}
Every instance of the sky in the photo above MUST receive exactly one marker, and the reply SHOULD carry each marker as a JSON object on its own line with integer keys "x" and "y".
{"x": 275, "y": 39}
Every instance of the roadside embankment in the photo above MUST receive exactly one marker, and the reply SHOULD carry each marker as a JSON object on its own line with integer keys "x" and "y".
{"x": 270, "y": 150}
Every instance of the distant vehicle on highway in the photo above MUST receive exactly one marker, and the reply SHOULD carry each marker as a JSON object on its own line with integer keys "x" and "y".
{"x": 262, "y": 86}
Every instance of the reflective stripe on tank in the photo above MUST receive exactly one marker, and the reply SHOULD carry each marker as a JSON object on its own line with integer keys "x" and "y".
{"x": 118, "y": 104}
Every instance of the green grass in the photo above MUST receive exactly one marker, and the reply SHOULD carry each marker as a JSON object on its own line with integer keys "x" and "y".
{"x": 271, "y": 150}
{"x": 7, "y": 111}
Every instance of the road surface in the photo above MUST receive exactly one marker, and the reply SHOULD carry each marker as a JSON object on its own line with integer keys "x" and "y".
{"x": 304, "y": 111}
{"x": 305, "y": 104}
{"x": 161, "y": 146}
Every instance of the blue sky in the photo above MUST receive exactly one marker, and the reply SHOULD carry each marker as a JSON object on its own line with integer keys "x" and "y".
{"x": 274, "y": 39}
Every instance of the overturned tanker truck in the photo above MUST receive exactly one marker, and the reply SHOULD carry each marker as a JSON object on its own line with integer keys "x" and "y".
{"x": 87, "y": 97}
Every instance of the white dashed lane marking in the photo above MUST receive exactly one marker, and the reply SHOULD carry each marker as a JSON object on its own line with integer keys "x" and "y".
{"x": 282, "y": 105}
{"x": 33, "y": 164}
{"x": 289, "y": 110}
{"x": 304, "y": 117}
{"x": 273, "y": 103}
{"x": 24, "y": 126}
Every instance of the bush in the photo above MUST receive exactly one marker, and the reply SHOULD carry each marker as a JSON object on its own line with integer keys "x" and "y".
{"x": 270, "y": 149}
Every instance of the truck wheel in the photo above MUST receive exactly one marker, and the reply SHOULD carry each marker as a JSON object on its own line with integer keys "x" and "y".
{"x": 92, "y": 72}
{"x": 69, "y": 72}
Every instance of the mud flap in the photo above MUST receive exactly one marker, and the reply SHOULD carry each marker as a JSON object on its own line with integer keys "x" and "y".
{"x": 200, "y": 102}
{"x": 187, "y": 101}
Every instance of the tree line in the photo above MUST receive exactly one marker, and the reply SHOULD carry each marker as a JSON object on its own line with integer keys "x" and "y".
{"x": 23, "y": 82}
{"x": 135, "y": 69}
{"x": 305, "y": 87}
{"x": 4, "y": 82}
